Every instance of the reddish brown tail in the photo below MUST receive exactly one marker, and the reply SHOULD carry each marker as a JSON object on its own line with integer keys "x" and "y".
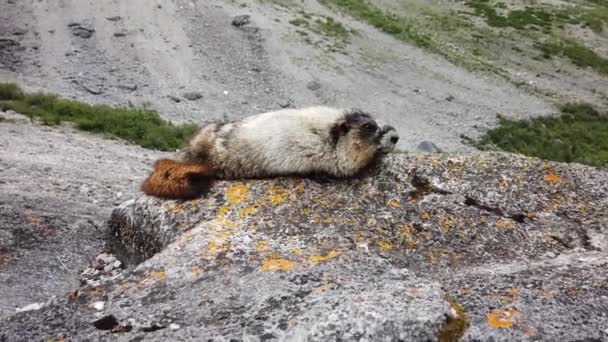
{"x": 178, "y": 180}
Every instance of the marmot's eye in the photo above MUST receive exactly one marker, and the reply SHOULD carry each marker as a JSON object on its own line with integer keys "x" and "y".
{"x": 369, "y": 127}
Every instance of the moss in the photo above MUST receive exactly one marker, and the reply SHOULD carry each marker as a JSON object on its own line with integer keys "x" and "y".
{"x": 579, "y": 134}
{"x": 142, "y": 127}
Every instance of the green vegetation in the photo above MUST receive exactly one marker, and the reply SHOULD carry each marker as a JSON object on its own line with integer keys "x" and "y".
{"x": 577, "y": 53}
{"x": 138, "y": 126}
{"x": 579, "y": 134}
{"x": 389, "y": 23}
{"x": 334, "y": 36}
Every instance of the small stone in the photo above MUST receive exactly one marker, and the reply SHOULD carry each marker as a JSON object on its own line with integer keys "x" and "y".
{"x": 450, "y": 98}
{"x": 120, "y": 34}
{"x": 174, "y": 98}
{"x": 241, "y": 20}
{"x": 428, "y": 146}
{"x": 20, "y": 31}
{"x": 313, "y": 85}
{"x": 93, "y": 89}
{"x": 193, "y": 95}
{"x": 174, "y": 326}
{"x": 129, "y": 87}
{"x": 81, "y": 31}
{"x": 31, "y": 307}
{"x": 286, "y": 103}
{"x": 99, "y": 306}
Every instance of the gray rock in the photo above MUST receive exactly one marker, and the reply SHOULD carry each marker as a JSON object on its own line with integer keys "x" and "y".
{"x": 426, "y": 247}
{"x": 313, "y": 85}
{"x": 91, "y": 88}
{"x": 192, "y": 95}
{"x": 241, "y": 20}
{"x": 81, "y": 31}
{"x": 429, "y": 147}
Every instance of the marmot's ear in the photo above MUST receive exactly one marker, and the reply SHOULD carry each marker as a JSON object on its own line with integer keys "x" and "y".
{"x": 339, "y": 129}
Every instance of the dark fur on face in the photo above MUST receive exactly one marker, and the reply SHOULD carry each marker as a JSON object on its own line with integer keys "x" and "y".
{"x": 367, "y": 128}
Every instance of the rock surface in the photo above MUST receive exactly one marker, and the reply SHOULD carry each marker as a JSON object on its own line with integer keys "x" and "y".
{"x": 432, "y": 247}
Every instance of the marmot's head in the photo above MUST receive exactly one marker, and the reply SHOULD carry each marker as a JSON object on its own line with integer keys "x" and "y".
{"x": 360, "y": 138}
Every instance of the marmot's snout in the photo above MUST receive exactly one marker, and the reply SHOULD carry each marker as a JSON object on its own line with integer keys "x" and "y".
{"x": 388, "y": 138}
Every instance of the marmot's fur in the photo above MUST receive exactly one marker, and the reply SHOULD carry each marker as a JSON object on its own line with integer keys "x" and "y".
{"x": 316, "y": 140}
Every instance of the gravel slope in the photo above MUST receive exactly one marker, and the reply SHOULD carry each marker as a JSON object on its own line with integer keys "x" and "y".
{"x": 143, "y": 53}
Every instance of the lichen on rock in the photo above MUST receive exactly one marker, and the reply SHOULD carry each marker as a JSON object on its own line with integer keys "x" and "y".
{"x": 428, "y": 247}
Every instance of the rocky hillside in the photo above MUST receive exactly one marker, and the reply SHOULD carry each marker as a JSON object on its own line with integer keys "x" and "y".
{"x": 471, "y": 247}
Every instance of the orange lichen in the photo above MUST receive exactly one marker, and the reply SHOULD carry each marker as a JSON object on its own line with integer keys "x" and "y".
{"x": 221, "y": 212}
{"x": 247, "y": 211}
{"x": 237, "y": 193}
{"x": 196, "y": 271}
{"x": 503, "y": 318}
{"x": 385, "y": 245}
{"x": 261, "y": 246}
{"x": 393, "y": 203}
{"x": 320, "y": 258}
{"x": 551, "y": 177}
{"x": 277, "y": 195}
{"x": 503, "y": 224}
{"x": 272, "y": 264}
{"x": 425, "y": 216}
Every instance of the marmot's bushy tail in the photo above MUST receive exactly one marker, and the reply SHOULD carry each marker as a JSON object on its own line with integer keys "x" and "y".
{"x": 178, "y": 180}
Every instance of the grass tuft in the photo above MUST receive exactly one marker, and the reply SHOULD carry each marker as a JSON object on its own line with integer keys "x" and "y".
{"x": 579, "y": 134}
{"x": 141, "y": 127}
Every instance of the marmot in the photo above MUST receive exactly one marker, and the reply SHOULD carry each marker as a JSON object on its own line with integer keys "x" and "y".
{"x": 310, "y": 141}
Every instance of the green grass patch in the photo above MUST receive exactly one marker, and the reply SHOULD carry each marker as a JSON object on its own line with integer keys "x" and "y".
{"x": 577, "y": 53}
{"x": 141, "y": 127}
{"x": 579, "y": 134}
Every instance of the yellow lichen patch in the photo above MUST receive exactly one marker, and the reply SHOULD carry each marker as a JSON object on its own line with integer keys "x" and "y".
{"x": 320, "y": 258}
{"x": 393, "y": 203}
{"x": 425, "y": 216}
{"x": 295, "y": 251}
{"x": 214, "y": 248}
{"x": 261, "y": 246}
{"x": 504, "y": 224}
{"x": 277, "y": 195}
{"x": 551, "y": 177}
{"x": 156, "y": 276}
{"x": 272, "y": 264}
{"x": 247, "y": 211}
{"x": 223, "y": 235}
{"x": 385, "y": 245}
{"x": 548, "y": 293}
{"x": 221, "y": 212}
{"x": 503, "y": 318}
{"x": 196, "y": 271}
{"x": 328, "y": 220}
{"x": 446, "y": 221}
{"x": 5, "y": 259}
{"x": 237, "y": 193}
{"x": 323, "y": 202}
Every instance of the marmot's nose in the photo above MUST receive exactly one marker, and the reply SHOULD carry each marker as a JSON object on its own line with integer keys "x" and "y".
{"x": 394, "y": 140}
